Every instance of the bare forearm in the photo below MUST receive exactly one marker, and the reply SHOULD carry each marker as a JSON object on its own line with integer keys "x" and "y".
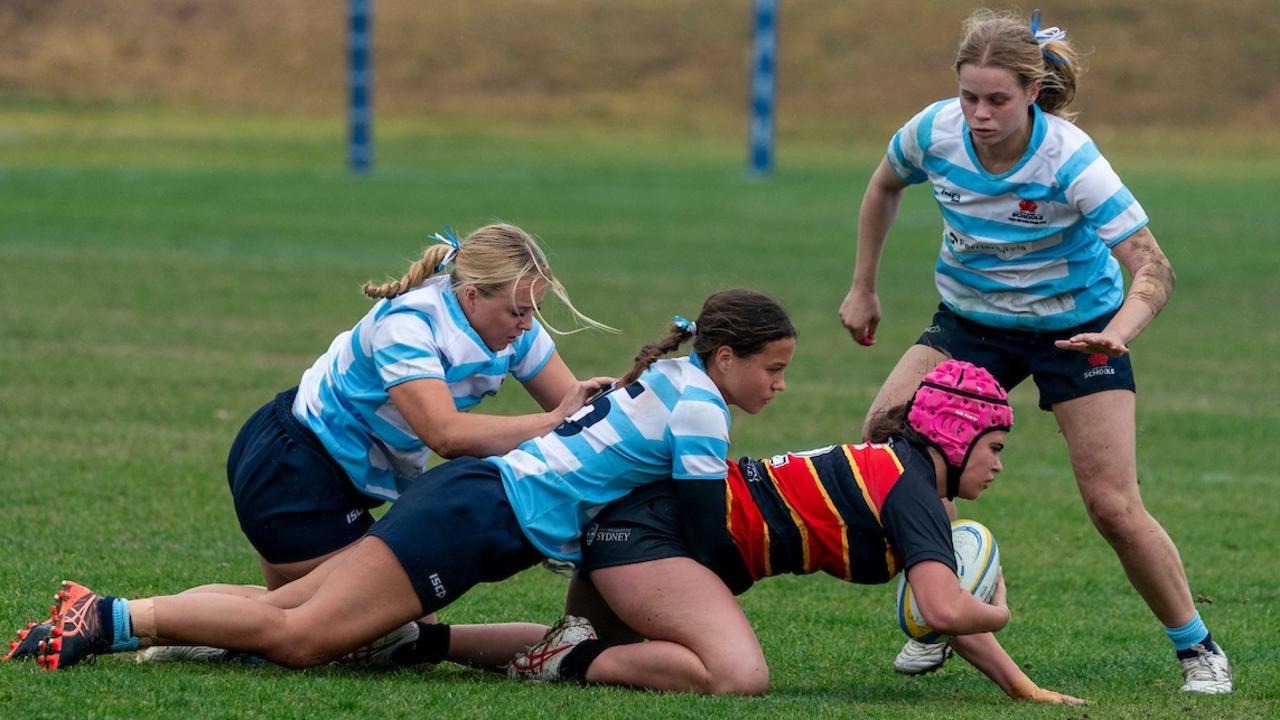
{"x": 1151, "y": 288}
{"x": 984, "y": 652}
{"x": 483, "y": 435}
{"x": 979, "y": 617}
{"x": 879, "y": 208}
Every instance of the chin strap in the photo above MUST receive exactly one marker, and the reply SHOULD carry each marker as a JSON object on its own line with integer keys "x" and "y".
{"x": 953, "y": 482}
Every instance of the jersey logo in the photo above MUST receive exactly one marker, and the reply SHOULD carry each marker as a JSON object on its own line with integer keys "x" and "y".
{"x": 950, "y": 196}
{"x": 779, "y": 461}
{"x": 1026, "y": 213}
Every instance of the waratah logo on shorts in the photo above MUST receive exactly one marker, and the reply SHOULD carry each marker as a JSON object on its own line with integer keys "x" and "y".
{"x": 1026, "y": 213}
{"x": 1098, "y": 366}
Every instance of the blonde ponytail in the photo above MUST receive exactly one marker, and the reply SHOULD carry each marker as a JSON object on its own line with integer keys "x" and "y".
{"x": 492, "y": 259}
{"x": 418, "y": 273}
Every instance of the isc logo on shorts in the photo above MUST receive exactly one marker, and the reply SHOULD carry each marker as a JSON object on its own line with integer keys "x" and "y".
{"x": 354, "y": 515}
{"x": 437, "y": 584}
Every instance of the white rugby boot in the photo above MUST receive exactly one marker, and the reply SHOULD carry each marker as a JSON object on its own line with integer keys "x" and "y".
{"x": 183, "y": 653}
{"x": 541, "y": 662}
{"x": 1205, "y": 670}
{"x": 381, "y": 652}
{"x": 918, "y": 658}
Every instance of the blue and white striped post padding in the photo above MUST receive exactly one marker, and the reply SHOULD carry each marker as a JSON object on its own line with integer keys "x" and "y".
{"x": 360, "y": 85}
{"x": 763, "y": 83}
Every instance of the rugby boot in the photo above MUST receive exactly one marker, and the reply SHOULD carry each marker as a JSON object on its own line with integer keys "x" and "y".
{"x": 918, "y": 658}
{"x": 1205, "y": 669}
{"x": 29, "y": 640}
{"x": 183, "y": 653}
{"x": 77, "y": 631}
{"x": 389, "y": 651}
{"x": 541, "y": 662}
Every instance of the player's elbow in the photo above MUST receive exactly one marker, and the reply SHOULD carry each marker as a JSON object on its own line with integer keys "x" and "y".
{"x": 945, "y": 618}
{"x": 448, "y": 445}
{"x": 447, "y": 450}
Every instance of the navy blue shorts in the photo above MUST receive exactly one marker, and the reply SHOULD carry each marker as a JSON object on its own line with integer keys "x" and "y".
{"x": 454, "y": 528}
{"x": 645, "y": 525}
{"x": 1012, "y": 355}
{"x": 293, "y": 500}
{"x": 641, "y": 526}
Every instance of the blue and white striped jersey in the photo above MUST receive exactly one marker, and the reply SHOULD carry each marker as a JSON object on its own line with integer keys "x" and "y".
{"x": 673, "y": 422}
{"x": 421, "y": 334}
{"x": 1029, "y": 248}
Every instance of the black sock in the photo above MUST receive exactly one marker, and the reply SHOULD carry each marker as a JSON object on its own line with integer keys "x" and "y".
{"x": 106, "y": 623}
{"x": 578, "y": 661}
{"x": 432, "y": 645}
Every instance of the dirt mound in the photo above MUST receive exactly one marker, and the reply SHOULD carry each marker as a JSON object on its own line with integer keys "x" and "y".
{"x": 642, "y": 63}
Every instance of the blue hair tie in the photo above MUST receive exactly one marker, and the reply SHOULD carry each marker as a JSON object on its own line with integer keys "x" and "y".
{"x": 450, "y": 239}
{"x": 1045, "y": 36}
{"x": 685, "y": 324}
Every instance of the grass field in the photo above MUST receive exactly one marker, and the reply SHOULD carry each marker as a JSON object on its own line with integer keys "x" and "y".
{"x": 163, "y": 275}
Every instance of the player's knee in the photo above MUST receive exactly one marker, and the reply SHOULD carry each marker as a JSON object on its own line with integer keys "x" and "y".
{"x": 295, "y": 647}
{"x": 1116, "y": 515}
{"x": 748, "y": 678}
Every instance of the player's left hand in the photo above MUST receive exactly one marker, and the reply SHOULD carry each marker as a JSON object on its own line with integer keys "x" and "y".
{"x": 1025, "y": 689}
{"x": 1049, "y": 697}
{"x": 999, "y": 597}
{"x": 1094, "y": 343}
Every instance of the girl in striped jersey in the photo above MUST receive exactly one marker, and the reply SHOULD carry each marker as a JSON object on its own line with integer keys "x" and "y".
{"x": 862, "y": 513}
{"x": 308, "y": 466}
{"x": 367, "y": 415}
{"x": 1035, "y": 229}
{"x": 472, "y": 520}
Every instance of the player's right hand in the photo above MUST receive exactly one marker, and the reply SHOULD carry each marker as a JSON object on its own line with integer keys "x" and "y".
{"x": 860, "y": 313}
{"x": 583, "y": 391}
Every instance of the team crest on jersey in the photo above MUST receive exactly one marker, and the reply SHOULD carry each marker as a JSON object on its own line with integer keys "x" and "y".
{"x": 1027, "y": 213}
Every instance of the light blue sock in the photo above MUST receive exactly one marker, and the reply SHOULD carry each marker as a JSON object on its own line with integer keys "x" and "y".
{"x": 1187, "y": 635}
{"x": 122, "y": 638}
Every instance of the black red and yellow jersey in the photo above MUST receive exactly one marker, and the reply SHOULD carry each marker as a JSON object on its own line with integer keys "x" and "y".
{"x": 859, "y": 512}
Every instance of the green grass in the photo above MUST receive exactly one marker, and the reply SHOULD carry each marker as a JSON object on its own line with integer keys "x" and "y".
{"x": 163, "y": 274}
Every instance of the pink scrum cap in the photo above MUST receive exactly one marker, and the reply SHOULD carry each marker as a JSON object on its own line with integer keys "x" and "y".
{"x": 957, "y": 403}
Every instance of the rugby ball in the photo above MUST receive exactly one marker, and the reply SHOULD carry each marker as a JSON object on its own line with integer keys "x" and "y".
{"x": 978, "y": 563}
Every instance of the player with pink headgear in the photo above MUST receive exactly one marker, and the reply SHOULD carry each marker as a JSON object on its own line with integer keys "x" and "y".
{"x": 664, "y": 563}
{"x": 956, "y": 404}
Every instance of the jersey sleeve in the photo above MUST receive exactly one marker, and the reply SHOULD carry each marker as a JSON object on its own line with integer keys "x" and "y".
{"x": 704, "y": 519}
{"x": 404, "y": 348}
{"x": 532, "y": 349}
{"x": 916, "y": 523}
{"x": 699, "y": 434}
{"x": 907, "y": 148}
{"x": 1095, "y": 189}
